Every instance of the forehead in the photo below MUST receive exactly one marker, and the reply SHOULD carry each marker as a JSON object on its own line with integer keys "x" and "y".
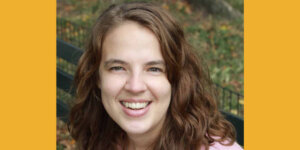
{"x": 129, "y": 40}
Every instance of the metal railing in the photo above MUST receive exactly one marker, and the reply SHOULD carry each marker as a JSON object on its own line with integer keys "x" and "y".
{"x": 230, "y": 101}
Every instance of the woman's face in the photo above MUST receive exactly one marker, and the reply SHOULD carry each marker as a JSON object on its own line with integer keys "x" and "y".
{"x": 134, "y": 87}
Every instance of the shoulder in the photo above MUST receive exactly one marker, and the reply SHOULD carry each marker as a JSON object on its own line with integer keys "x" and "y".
{"x": 219, "y": 146}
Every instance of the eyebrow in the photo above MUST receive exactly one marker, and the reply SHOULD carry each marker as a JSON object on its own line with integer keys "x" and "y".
{"x": 157, "y": 62}
{"x": 118, "y": 61}
{"x": 114, "y": 61}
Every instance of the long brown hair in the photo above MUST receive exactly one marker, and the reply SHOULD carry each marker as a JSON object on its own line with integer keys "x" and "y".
{"x": 193, "y": 119}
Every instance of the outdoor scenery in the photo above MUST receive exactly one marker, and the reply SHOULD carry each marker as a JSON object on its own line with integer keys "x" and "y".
{"x": 215, "y": 28}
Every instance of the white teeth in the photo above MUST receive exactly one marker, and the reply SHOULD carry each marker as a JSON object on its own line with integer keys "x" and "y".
{"x": 135, "y": 105}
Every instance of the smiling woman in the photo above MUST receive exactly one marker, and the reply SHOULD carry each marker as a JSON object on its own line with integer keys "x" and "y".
{"x": 141, "y": 86}
{"x": 134, "y": 87}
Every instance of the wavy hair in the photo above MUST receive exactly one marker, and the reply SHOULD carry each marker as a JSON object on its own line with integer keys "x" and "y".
{"x": 193, "y": 119}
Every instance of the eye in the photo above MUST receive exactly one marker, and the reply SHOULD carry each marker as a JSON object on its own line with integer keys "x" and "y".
{"x": 155, "y": 69}
{"x": 116, "y": 68}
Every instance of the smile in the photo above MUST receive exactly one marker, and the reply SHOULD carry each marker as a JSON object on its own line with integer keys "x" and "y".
{"x": 134, "y": 105}
{"x": 135, "y": 108}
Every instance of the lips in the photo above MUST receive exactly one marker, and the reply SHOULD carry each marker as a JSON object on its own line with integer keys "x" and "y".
{"x": 135, "y": 108}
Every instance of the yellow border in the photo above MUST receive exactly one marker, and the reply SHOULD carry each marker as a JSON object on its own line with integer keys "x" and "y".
{"x": 27, "y": 62}
{"x": 27, "y": 80}
{"x": 272, "y": 76}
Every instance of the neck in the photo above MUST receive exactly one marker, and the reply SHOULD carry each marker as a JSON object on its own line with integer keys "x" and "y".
{"x": 140, "y": 142}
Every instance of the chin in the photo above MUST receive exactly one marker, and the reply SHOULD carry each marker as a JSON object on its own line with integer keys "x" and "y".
{"x": 136, "y": 128}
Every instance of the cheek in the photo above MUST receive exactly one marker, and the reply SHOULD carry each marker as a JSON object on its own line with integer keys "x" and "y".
{"x": 161, "y": 88}
{"x": 110, "y": 86}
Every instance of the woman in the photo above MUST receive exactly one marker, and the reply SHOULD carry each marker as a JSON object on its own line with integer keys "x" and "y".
{"x": 140, "y": 86}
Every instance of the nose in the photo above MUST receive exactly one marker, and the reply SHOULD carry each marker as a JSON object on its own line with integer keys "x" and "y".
{"x": 135, "y": 84}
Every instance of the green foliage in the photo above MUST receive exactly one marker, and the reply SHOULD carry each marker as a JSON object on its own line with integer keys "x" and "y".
{"x": 221, "y": 45}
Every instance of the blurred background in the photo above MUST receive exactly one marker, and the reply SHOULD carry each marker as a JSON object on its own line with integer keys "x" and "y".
{"x": 215, "y": 28}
